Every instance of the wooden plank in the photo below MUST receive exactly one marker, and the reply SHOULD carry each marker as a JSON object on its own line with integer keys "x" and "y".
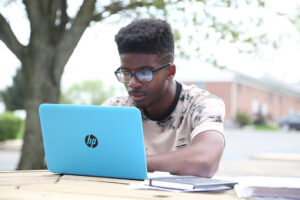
{"x": 74, "y": 179}
{"x": 18, "y": 178}
{"x": 38, "y": 195}
{"x": 111, "y": 184}
{"x": 119, "y": 191}
{"x": 25, "y": 173}
{"x": 88, "y": 188}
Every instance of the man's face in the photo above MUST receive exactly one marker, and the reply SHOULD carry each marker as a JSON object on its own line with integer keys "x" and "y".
{"x": 145, "y": 94}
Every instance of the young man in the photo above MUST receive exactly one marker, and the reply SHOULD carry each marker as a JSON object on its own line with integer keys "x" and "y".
{"x": 183, "y": 127}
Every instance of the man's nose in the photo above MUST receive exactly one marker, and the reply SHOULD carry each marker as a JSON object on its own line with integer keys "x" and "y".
{"x": 134, "y": 83}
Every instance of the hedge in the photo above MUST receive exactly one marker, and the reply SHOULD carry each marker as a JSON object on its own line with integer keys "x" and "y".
{"x": 243, "y": 119}
{"x": 10, "y": 126}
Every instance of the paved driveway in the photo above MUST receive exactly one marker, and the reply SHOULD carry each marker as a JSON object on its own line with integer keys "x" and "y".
{"x": 249, "y": 152}
{"x": 242, "y": 155}
{"x": 9, "y": 154}
{"x": 241, "y": 144}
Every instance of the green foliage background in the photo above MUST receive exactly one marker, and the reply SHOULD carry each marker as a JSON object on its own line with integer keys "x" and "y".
{"x": 243, "y": 119}
{"x": 13, "y": 96}
{"x": 11, "y": 126}
{"x": 88, "y": 92}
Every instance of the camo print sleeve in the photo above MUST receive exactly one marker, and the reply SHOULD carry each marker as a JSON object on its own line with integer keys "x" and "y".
{"x": 120, "y": 101}
{"x": 207, "y": 114}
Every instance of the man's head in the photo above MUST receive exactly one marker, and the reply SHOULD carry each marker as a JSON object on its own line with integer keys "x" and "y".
{"x": 146, "y": 49}
{"x": 148, "y": 36}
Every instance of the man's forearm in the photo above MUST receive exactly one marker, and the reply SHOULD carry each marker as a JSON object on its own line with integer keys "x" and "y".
{"x": 182, "y": 163}
{"x": 198, "y": 159}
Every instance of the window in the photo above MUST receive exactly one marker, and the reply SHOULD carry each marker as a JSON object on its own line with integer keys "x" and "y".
{"x": 255, "y": 106}
{"x": 264, "y": 109}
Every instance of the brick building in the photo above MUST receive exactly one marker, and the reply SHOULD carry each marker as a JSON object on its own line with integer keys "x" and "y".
{"x": 241, "y": 93}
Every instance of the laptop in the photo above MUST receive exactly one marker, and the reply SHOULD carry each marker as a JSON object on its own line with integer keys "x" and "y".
{"x": 94, "y": 140}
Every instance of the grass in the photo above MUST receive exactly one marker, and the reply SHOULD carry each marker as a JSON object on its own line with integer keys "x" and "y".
{"x": 264, "y": 127}
{"x": 21, "y": 131}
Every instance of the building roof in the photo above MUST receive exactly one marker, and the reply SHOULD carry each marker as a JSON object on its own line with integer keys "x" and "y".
{"x": 208, "y": 73}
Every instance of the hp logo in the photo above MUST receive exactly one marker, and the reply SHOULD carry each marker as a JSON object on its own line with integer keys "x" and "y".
{"x": 91, "y": 141}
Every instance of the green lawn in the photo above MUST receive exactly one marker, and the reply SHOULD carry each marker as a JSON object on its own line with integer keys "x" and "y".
{"x": 264, "y": 127}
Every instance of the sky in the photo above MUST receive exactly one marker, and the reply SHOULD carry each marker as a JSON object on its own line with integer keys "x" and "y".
{"x": 96, "y": 55}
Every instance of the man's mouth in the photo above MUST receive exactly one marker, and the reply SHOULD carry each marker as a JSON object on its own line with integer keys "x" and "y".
{"x": 137, "y": 96}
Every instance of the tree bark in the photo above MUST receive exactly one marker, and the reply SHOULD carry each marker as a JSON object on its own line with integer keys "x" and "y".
{"x": 40, "y": 87}
{"x": 43, "y": 64}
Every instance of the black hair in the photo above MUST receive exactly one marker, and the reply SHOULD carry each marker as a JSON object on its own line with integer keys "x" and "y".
{"x": 150, "y": 36}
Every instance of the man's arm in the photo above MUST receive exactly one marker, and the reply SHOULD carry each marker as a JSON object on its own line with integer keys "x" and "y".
{"x": 200, "y": 158}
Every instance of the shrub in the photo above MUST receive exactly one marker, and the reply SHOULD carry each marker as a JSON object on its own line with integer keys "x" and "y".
{"x": 243, "y": 119}
{"x": 9, "y": 126}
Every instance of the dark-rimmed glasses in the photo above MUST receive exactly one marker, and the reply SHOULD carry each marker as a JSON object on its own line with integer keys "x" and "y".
{"x": 143, "y": 75}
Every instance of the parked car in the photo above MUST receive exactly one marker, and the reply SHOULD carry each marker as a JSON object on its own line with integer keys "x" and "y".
{"x": 291, "y": 121}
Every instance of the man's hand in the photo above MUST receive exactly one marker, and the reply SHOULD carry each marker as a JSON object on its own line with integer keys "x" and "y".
{"x": 200, "y": 158}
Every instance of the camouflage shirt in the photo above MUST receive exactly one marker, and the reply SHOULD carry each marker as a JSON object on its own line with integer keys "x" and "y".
{"x": 194, "y": 110}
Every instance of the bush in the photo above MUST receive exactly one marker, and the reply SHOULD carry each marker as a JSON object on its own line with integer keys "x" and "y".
{"x": 243, "y": 119}
{"x": 10, "y": 126}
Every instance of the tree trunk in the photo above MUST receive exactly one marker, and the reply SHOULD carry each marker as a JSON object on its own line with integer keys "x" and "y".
{"x": 42, "y": 85}
{"x": 43, "y": 62}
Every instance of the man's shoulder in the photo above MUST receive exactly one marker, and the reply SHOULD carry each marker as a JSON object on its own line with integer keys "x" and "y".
{"x": 191, "y": 94}
{"x": 192, "y": 91}
{"x": 123, "y": 100}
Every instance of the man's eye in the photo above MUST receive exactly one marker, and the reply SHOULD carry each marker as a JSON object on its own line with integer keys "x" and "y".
{"x": 144, "y": 73}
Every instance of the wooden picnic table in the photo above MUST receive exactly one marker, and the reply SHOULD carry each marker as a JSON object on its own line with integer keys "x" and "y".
{"x": 43, "y": 184}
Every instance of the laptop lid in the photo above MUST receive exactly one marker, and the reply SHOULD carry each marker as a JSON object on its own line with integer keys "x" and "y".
{"x": 94, "y": 140}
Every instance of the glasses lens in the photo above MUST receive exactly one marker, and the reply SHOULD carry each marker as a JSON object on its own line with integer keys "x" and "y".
{"x": 144, "y": 76}
{"x": 123, "y": 76}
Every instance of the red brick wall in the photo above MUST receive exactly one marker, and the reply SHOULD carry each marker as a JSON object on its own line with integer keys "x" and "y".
{"x": 239, "y": 98}
{"x": 277, "y": 105}
{"x": 222, "y": 90}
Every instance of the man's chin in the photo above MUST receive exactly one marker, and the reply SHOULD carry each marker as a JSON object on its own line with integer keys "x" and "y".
{"x": 140, "y": 104}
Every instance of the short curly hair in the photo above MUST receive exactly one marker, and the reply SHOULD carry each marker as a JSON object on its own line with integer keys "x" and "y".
{"x": 149, "y": 36}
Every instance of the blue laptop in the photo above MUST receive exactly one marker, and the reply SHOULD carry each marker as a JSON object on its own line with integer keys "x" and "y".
{"x": 94, "y": 140}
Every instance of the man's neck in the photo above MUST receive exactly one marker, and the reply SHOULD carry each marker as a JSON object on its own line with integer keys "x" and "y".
{"x": 162, "y": 108}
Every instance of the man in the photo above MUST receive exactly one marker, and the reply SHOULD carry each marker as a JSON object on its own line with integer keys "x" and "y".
{"x": 182, "y": 124}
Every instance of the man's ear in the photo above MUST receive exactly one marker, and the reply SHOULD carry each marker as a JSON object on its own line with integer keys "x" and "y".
{"x": 171, "y": 71}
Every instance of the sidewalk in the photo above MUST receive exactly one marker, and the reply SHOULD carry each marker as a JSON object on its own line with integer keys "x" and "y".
{"x": 10, "y": 152}
{"x": 273, "y": 164}
{"x": 257, "y": 164}
{"x": 11, "y": 145}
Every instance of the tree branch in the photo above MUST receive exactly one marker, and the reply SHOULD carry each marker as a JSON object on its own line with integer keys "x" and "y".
{"x": 55, "y": 7}
{"x": 45, "y": 6}
{"x": 98, "y": 17}
{"x": 70, "y": 38}
{"x": 35, "y": 14}
{"x": 117, "y": 7}
{"x": 52, "y": 9}
{"x": 64, "y": 19}
{"x": 9, "y": 38}
{"x": 58, "y": 19}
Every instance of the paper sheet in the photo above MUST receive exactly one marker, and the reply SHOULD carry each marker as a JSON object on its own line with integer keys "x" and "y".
{"x": 262, "y": 186}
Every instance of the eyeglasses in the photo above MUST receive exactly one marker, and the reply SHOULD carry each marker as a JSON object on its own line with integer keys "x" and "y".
{"x": 143, "y": 75}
